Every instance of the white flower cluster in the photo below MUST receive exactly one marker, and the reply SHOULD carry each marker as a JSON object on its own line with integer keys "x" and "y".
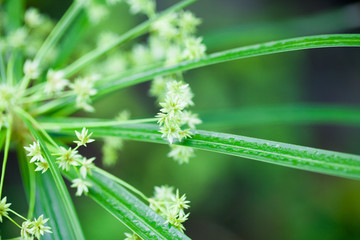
{"x": 35, "y": 228}
{"x": 67, "y": 158}
{"x": 34, "y": 151}
{"x": 170, "y": 205}
{"x": 29, "y": 229}
{"x": 84, "y": 88}
{"x": 173, "y": 115}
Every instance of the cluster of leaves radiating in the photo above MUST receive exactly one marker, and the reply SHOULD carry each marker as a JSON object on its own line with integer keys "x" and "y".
{"x": 171, "y": 40}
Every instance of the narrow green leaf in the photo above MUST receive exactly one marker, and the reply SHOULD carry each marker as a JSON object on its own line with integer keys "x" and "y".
{"x": 294, "y": 44}
{"x": 305, "y": 158}
{"x": 49, "y": 203}
{"x": 129, "y": 209}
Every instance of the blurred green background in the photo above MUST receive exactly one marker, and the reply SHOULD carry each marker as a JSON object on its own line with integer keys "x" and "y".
{"x": 235, "y": 198}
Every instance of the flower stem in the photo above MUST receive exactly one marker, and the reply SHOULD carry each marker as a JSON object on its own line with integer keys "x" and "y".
{"x": 6, "y": 153}
{"x": 20, "y": 216}
{"x": 13, "y": 221}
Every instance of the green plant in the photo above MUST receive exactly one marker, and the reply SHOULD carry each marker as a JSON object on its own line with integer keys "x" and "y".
{"x": 37, "y": 101}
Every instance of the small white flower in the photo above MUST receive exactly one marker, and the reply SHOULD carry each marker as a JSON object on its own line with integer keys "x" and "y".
{"x": 31, "y": 69}
{"x": 34, "y": 151}
{"x": 181, "y": 154}
{"x": 33, "y": 18}
{"x": 84, "y": 89}
{"x": 86, "y": 166}
{"x": 67, "y": 157}
{"x": 38, "y": 227}
{"x": 26, "y": 230}
{"x": 179, "y": 203}
{"x": 142, "y": 6}
{"x": 4, "y": 208}
{"x": 96, "y": 12}
{"x": 171, "y": 132}
{"x": 56, "y": 82}
{"x": 166, "y": 27}
{"x": 180, "y": 90}
{"x": 194, "y": 48}
{"x": 42, "y": 166}
{"x": 83, "y": 137}
{"x": 164, "y": 193}
{"x": 188, "y": 22}
{"x": 81, "y": 185}
{"x": 190, "y": 119}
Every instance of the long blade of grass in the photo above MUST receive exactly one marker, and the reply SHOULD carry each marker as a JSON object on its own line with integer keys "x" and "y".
{"x": 133, "y": 33}
{"x": 294, "y": 44}
{"x": 129, "y": 209}
{"x": 49, "y": 203}
{"x": 305, "y": 158}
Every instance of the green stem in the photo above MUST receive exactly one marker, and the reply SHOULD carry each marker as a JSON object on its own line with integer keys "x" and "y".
{"x": 121, "y": 182}
{"x": 294, "y": 44}
{"x": 75, "y": 125}
{"x": 2, "y": 68}
{"x": 6, "y": 153}
{"x": 131, "y": 34}
{"x": 13, "y": 221}
{"x": 32, "y": 192}
{"x": 12, "y": 211}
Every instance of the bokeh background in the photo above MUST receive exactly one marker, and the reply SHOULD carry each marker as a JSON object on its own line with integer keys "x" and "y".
{"x": 235, "y": 198}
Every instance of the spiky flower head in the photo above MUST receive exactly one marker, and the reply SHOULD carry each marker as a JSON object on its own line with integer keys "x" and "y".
{"x": 4, "y": 208}
{"x": 142, "y": 6}
{"x": 38, "y": 227}
{"x": 194, "y": 48}
{"x": 32, "y": 69}
{"x": 83, "y": 137}
{"x": 33, "y": 18}
{"x": 67, "y": 157}
{"x": 56, "y": 82}
{"x": 84, "y": 89}
{"x": 181, "y": 154}
{"x": 41, "y": 166}
{"x": 81, "y": 185}
{"x": 86, "y": 166}
{"x": 27, "y": 231}
{"x": 34, "y": 151}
